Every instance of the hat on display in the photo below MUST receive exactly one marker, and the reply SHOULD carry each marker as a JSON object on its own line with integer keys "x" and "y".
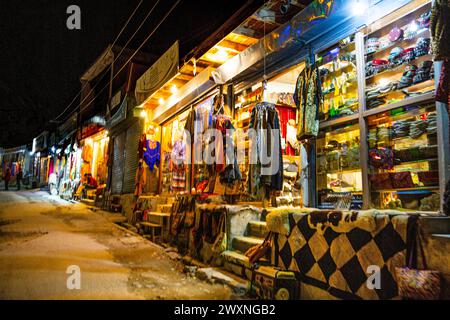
{"x": 422, "y": 47}
{"x": 384, "y": 43}
{"x": 395, "y": 34}
{"x": 424, "y": 20}
{"x": 373, "y": 44}
{"x": 408, "y": 54}
{"x": 408, "y": 76}
{"x": 424, "y": 72}
{"x": 395, "y": 55}
{"x": 411, "y": 30}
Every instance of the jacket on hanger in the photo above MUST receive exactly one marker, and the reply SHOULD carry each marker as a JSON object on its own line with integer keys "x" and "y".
{"x": 308, "y": 99}
{"x": 264, "y": 119}
{"x": 440, "y": 29}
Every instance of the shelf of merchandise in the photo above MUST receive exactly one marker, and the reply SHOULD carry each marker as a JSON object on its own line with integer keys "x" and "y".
{"x": 339, "y": 120}
{"x": 425, "y": 33}
{"x": 415, "y": 161}
{"x": 343, "y": 171}
{"x": 406, "y": 102}
{"x": 419, "y": 188}
{"x": 396, "y": 69}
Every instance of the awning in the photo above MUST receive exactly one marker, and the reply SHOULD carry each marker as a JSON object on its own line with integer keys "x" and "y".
{"x": 318, "y": 25}
{"x": 199, "y": 85}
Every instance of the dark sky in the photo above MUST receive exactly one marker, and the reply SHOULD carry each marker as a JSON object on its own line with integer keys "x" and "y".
{"x": 41, "y": 60}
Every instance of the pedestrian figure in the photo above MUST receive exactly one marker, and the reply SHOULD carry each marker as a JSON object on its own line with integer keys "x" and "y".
{"x": 19, "y": 177}
{"x": 7, "y": 177}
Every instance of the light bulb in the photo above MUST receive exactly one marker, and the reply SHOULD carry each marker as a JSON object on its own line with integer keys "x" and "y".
{"x": 161, "y": 100}
{"x": 173, "y": 89}
{"x": 143, "y": 114}
{"x": 359, "y": 7}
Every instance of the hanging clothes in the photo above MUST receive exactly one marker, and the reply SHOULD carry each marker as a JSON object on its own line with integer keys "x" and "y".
{"x": 229, "y": 171}
{"x": 443, "y": 89}
{"x": 266, "y": 125}
{"x": 308, "y": 99}
{"x": 178, "y": 157}
{"x": 140, "y": 180}
{"x": 152, "y": 154}
{"x": 440, "y": 29}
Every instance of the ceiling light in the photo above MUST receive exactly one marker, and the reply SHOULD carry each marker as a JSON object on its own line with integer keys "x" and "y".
{"x": 161, "y": 100}
{"x": 222, "y": 54}
{"x": 359, "y": 7}
{"x": 173, "y": 89}
{"x": 143, "y": 114}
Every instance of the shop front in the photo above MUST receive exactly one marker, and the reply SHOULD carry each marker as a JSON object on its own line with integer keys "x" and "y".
{"x": 361, "y": 145}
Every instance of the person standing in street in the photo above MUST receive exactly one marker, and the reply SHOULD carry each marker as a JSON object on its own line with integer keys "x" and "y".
{"x": 7, "y": 177}
{"x": 19, "y": 177}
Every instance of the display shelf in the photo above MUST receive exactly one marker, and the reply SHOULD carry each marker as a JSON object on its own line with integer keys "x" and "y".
{"x": 405, "y": 102}
{"x": 339, "y": 70}
{"x": 421, "y": 33}
{"x": 355, "y": 170}
{"x": 396, "y": 69}
{"x": 339, "y": 120}
{"x": 407, "y": 189}
{"x": 415, "y": 161}
{"x": 349, "y": 84}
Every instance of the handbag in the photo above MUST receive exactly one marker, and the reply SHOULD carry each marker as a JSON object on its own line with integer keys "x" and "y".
{"x": 259, "y": 251}
{"x": 418, "y": 284}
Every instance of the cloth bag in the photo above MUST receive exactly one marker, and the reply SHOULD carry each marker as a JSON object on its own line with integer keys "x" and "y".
{"x": 418, "y": 284}
{"x": 259, "y": 251}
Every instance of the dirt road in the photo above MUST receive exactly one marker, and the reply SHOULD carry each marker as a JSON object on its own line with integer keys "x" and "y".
{"x": 41, "y": 236}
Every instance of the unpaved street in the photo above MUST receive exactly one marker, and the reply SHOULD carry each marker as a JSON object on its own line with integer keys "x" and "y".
{"x": 41, "y": 236}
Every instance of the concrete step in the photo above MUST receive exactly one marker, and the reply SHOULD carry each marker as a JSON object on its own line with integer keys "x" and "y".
{"x": 243, "y": 243}
{"x": 257, "y": 229}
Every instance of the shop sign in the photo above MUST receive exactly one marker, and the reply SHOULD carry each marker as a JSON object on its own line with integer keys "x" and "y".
{"x": 120, "y": 115}
{"x": 164, "y": 69}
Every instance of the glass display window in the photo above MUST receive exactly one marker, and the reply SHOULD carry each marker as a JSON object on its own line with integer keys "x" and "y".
{"x": 175, "y": 156}
{"x": 339, "y": 177}
{"x": 337, "y": 69}
{"x": 403, "y": 159}
{"x": 398, "y": 60}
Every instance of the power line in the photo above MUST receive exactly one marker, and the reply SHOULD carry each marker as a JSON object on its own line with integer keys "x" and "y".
{"x": 114, "y": 42}
{"x": 121, "y": 51}
{"x": 137, "y": 50}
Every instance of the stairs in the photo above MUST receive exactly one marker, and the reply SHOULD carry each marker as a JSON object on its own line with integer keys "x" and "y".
{"x": 234, "y": 259}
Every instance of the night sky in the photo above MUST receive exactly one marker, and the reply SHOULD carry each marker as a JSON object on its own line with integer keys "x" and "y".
{"x": 41, "y": 61}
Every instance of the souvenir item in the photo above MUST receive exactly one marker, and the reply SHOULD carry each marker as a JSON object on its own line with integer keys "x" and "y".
{"x": 408, "y": 76}
{"x": 424, "y": 20}
{"x": 395, "y": 34}
{"x": 395, "y": 55}
{"x": 422, "y": 47}
{"x": 373, "y": 45}
{"x": 380, "y": 181}
{"x": 381, "y": 158}
{"x": 408, "y": 55}
{"x": 423, "y": 73}
{"x": 418, "y": 284}
{"x": 401, "y": 179}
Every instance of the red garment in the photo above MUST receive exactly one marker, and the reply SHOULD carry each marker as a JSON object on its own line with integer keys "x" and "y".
{"x": 285, "y": 114}
{"x": 92, "y": 182}
{"x": 443, "y": 89}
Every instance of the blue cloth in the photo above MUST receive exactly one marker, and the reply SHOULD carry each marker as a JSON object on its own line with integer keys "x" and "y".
{"x": 152, "y": 157}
